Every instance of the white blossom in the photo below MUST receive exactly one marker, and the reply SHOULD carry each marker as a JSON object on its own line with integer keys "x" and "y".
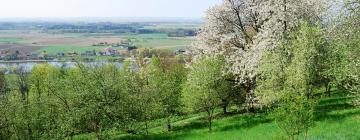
{"x": 243, "y": 30}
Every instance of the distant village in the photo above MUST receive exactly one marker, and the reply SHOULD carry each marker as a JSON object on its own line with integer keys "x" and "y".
{"x": 123, "y": 49}
{"x": 110, "y": 49}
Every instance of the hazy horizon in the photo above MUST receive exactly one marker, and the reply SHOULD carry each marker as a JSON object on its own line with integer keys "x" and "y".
{"x": 104, "y": 8}
{"x": 105, "y": 19}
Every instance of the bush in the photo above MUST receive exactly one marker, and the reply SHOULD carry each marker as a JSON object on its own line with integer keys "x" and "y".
{"x": 294, "y": 115}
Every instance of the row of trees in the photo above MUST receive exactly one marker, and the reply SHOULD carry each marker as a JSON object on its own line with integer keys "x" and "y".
{"x": 54, "y": 102}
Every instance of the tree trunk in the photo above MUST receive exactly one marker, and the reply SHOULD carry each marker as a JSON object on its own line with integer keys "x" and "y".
{"x": 146, "y": 128}
{"x": 25, "y": 98}
{"x": 168, "y": 124}
{"x": 307, "y": 96}
{"x": 99, "y": 130}
{"x": 285, "y": 22}
{"x": 328, "y": 90}
{"x": 210, "y": 122}
{"x": 210, "y": 117}
{"x": 225, "y": 104}
{"x": 250, "y": 87}
{"x": 30, "y": 135}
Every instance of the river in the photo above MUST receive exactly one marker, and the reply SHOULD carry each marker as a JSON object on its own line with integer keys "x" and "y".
{"x": 10, "y": 66}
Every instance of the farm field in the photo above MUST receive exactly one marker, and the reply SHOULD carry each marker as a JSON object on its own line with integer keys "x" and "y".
{"x": 172, "y": 26}
{"x": 30, "y": 41}
{"x": 159, "y": 41}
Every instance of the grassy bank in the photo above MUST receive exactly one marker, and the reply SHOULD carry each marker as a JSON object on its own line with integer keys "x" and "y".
{"x": 336, "y": 118}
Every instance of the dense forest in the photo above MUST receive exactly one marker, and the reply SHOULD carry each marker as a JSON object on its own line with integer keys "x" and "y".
{"x": 279, "y": 57}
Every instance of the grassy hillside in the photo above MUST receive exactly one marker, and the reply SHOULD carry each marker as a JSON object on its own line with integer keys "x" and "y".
{"x": 336, "y": 118}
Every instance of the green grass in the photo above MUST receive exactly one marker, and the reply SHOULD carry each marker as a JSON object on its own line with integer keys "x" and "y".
{"x": 53, "y": 50}
{"x": 336, "y": 118}
{"x": 164, "y": 43}
{"x": 9, "y": 40}
{"x": 159, "y": 41}
{"x": 174, "y": 26}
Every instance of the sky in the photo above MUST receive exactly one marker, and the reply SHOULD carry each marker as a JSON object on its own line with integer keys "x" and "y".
{"x": 105, "y": 8}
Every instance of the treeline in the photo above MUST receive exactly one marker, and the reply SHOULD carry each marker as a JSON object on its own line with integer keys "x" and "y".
{"x": 60, "y": 103}
{"x": 101, "y": 27}
{"x": 93, "y": 28}
{"x": 134, "y": 28}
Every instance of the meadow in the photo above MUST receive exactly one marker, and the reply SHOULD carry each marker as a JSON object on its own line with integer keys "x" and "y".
{"x": 159, "y": 41}
{"x": 335, "y": 118}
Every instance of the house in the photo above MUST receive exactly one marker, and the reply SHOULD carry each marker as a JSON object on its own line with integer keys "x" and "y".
{"x": 72, "y": 53}
{"x": 61, "y": 54}
{"x": 130, "y": 48}
{"x": 4, "y": 52}
{"x": 123, "y": 52}
{"x": 179, "y": 51}
{"x": 112, "y": 52}
{"x": 88, "y": 53}
{"x": 43, "y": 55}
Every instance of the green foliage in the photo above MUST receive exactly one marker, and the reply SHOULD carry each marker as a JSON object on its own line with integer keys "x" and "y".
{"x": 158, "y": 87}
{"x": 293, "y": 74}
{"x": 294, "y": 115}
{"x": 334, "y": 117}
{"x": 5, "y": 121}
{"x": 62, "y": 102}
{"x": 205, "y": 87}
{"x": 100, "y": 102}
{"x": 345, "y": 55}
{"x": 295, "y": 67}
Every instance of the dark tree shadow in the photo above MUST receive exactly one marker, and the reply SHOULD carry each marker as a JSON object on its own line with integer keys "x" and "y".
{"x": 247, "y": 121}
{"x": 326, "y": 106}
{"x": 323, "y": 111}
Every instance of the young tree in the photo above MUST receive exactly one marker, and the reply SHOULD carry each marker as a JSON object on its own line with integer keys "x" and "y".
{"x": 294, "y": 64}
{"x": 171, "y": 101}
{"x": 99, "y": 98}
{"x": 47, "y": 106}
{"x": 5, "y": 120}
{"x": 294, "y": 114}
{"x": 143, "y": 87}
{"x": 204, "y": 87}
{"x": 170, "y": 75}
{"x": 345, "y": 58}
{"x": 290, "y": 77}
{"x": 23, "y": 87}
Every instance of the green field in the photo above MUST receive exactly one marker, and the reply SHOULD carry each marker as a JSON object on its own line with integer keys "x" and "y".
{"x": 159, "y": 41}
{"x": 174, "y": 26}
{"x": 9, "y": 40}
{"x": 336, "y": 118}
{"x": 53, "y": 50}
